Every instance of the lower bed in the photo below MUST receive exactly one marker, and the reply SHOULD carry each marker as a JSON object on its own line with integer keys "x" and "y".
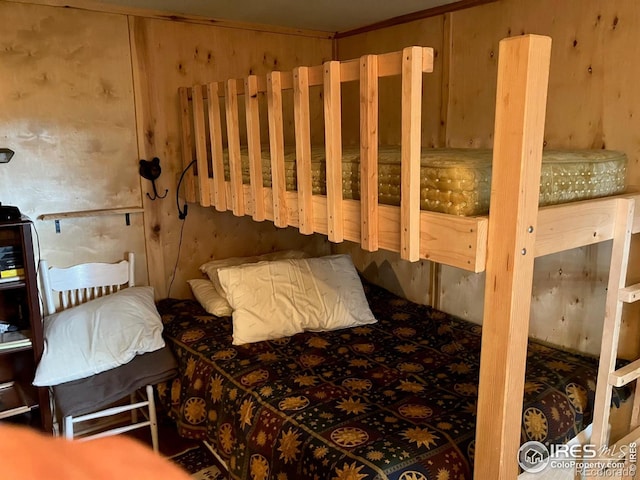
{"x": 396, "y": 399}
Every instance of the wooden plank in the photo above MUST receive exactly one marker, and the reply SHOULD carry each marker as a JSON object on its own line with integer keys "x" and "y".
{"x": 316, "y": 76}
{"x": 630, "y": 294}
{"x": 276, "y": 141}
{"x": 612, "y": 319}
{"x": 91, "y": 213}
{"x": 562, "y": 227}
{"x": 389, "y": 64}
{"x": 523, "y": 70}
{"x": 254, "y": 147}
{"x": 369, "y": 152}
{"x": 451, "y": 240}
{"x": 303, "y": 148}
{"x": 333, "y": 149}
{"x": 146, "y": 103}
{"x": 187, "y": 145}
{"x": 410, "y": 153}
{"x": 233, "y": 140}
{"x": 217, "y": 155}
{"x": 626, "y": 374}
{"x": 201, "y": 145}
{"x": 572, "y": 225}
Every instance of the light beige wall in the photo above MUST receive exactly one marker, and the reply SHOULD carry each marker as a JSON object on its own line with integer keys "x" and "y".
{"x": 85, "y": 94}
{"x": 66, "y": 109}
{"x": 592, "y": 104}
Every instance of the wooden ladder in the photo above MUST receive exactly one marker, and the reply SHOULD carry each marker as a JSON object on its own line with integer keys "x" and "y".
{"x": 617, "y": 295}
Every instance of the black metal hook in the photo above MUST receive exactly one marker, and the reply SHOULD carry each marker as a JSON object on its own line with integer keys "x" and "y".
{"x": 151, "y": 171}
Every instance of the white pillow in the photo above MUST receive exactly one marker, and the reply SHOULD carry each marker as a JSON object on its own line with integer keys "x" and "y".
{"x": 209, "y": 298}
{"x": 279, "y": 299}
{"x": 211, "y": 268}
{"x": 99, "y": 335}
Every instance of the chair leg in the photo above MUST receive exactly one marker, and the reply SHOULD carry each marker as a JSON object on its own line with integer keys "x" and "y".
{"x": 68, "y": 428}
{"x": 153, "y": 421}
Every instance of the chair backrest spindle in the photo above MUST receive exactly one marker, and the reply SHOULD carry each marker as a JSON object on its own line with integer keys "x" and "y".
{"x": 81, "y": 283}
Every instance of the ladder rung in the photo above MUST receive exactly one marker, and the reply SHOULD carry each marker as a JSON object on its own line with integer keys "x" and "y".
{"x": 626, "y": 374}
{"x": 630, "y": 294}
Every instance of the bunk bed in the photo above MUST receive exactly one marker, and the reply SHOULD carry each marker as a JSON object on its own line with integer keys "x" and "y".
{"x": 503, "y": 243}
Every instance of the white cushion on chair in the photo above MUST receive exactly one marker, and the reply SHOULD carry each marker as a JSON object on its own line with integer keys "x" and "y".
{"x": 99, "y": 335}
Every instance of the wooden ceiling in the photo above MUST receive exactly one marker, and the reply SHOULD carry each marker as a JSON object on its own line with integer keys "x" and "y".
{"x": 335, "y": 16}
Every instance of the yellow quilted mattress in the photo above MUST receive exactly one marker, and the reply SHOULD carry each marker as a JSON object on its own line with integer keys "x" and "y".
{"x": 458, "y": 181}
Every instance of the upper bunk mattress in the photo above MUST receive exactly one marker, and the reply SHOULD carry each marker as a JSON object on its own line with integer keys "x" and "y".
{"x": 458, "y": 181}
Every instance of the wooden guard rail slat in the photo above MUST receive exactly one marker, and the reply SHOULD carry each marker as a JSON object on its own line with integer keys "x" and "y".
{"x": 254, "y": 146}
{"x": 215, "y": 130}
{"x": 303, "y": 148}
{"x": 369, "y": 152}
{"x": 201, "y": 145}
{"x": 333, "y": 150}
{"x": 235, "y": 160}
{"x": 410, "y": 153}
{"x": 276, "y": 137}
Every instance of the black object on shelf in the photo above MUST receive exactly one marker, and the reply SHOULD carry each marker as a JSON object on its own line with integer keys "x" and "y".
{"x": 9, "y": 212}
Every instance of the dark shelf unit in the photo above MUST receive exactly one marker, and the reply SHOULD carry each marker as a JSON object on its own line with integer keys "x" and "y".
{"x": 19, "y": 305}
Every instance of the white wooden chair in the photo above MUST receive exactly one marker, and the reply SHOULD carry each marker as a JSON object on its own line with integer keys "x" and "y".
{"x": 79, "y": 284}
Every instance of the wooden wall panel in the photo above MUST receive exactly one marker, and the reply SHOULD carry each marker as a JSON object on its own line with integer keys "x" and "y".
{"x": 621, "y": 126}
{"x": 575, "y": 81}
{"x": 385, "y": 268}
{"x": 66, "y": 108}
{"x": 173, "y": 54}
{"x": 592, "y": 103}
{"x": 426, "y": 33}
{"x": 589, "y": 106}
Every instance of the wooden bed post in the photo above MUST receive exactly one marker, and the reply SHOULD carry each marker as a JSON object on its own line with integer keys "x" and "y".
{"x": 523, "y": 71}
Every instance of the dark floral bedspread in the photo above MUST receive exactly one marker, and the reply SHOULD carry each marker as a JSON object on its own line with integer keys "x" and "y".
{"x": 396, "y": 399}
